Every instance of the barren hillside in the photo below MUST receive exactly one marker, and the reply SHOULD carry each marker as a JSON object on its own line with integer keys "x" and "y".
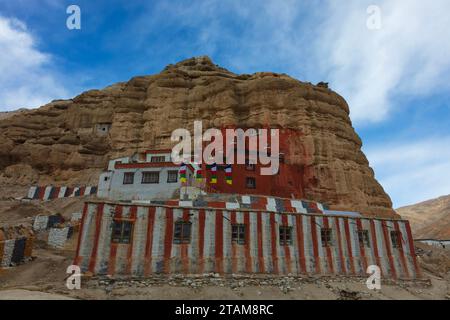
{"x": 429, "y": 219}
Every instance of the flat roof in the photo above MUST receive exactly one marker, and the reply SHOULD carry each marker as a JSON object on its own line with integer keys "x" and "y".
{"x": 440, "y": 240}
{"x": 130, "y": 204}
{"x": 135, "y": 165}
{"x": 156, "y": 151}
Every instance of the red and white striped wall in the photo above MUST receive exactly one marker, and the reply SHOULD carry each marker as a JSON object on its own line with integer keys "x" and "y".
{"x": 51, "y": 192}
{"x": 269, "y": 204}
{"x": 152, "y": 249}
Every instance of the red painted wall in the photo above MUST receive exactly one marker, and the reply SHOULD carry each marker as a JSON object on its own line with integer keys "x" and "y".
{"x": 288, "y": 183}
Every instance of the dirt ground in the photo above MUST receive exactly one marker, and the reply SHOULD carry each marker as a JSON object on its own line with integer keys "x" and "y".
{"x": 45, "y": 276}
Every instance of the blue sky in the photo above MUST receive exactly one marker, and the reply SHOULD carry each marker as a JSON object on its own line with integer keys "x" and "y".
{"x": 395, "y": 78}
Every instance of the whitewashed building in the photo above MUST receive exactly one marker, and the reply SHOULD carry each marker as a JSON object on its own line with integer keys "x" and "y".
{"x": 148, "y": 176}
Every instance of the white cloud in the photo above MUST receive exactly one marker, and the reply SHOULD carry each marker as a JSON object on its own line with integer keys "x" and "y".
{"x": 26, "y": 75}
{"x": 326, "y": 41}
{"x": 409, "y": 55}
{"x": 413, "y": 172}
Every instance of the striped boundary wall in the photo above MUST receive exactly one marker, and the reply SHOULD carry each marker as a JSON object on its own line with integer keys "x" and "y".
{"x": 257, "y": 203}
{"x": 6, "y": 252}
{"x": 57, "y": 237}
{"x": 11, "y": 250}
{"x": 50, "y": 192}
{"x": 40, "y": 223}
{"x": 45, "y": 222}
{"x": 151, "y": 249}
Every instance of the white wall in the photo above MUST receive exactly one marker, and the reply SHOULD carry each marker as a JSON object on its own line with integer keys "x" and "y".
{"x": 141, "y": 191}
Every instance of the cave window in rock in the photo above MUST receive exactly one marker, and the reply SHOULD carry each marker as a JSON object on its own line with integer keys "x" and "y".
{"x": 128, "y": 178}
{"x": 102, "y": 128}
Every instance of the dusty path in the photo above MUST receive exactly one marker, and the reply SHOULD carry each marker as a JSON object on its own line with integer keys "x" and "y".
{"x": 46, "y": 275}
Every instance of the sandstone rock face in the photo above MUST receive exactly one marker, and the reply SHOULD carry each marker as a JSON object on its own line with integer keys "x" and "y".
{"x": 71, "y": 141}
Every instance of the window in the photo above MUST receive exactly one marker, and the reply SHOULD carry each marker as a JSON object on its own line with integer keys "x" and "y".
{"x": 250, "y": 183}
{"x": 363, "y": 237}
{"x": 396, "y": 239}
{"x": 172, "y": 176}
{"x": 285, "y": 236}
{"x": 122, "y": 231}
{"x": 182, "y": 232}
{"x": 150, "y": 177}
{"x": 128, "y": 178}
{"x": 249, "y": 166}
{"x": 325, "y": 234}
{"x": 238, "y": 233}
{"x": 158, "y": 159}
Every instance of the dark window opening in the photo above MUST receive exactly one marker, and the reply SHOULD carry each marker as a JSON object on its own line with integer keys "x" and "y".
{"x": 238, "y": 233}
{"x": 158, "y": 159}
{"x": 285, "y": 236}
{"x": 363, "y": 237}
{"x": 396, "y": 239}
{"x": 249, "y": 166}
{"x": 150, "y": 177}
{"x": 250, "y": 183}
{"x": 122, "y": 231}
{"x": 172, "y": 176}
{"x": 325, "y": 234}
{"x": 128, "y": 178}
{"x": 182, "y": 232}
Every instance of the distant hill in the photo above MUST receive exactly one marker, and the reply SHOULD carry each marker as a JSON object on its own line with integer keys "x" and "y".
{"x": 429, "y": 219}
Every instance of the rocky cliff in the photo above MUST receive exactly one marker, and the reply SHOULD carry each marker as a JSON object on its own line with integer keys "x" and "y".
{"x": 70, "y": 141}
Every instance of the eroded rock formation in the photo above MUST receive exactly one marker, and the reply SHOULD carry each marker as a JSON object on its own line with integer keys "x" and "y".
{"x": 70, "y": 141}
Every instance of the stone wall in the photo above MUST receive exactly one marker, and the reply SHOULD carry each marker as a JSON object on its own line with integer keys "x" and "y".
{"x": 57, "y": 237}
{"x": 40, "y": 223}
{"x": 16, "y": 245}
{"x": 76, "y": 216}
{"x": 8, "y": 248}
